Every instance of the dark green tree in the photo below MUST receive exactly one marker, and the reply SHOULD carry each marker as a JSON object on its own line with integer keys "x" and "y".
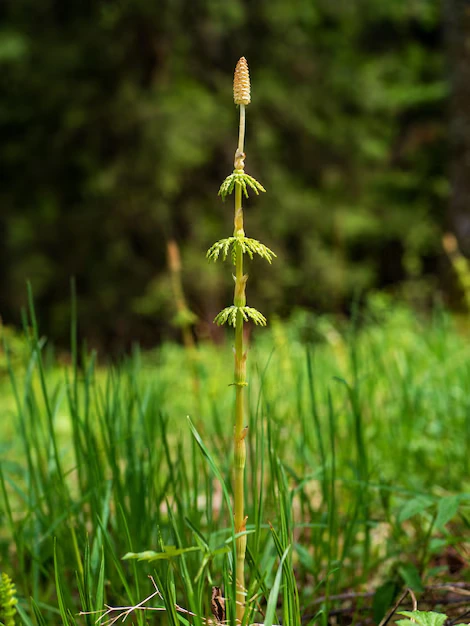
{"x": 116, "y": 127}
{"x": 458, "y": 38}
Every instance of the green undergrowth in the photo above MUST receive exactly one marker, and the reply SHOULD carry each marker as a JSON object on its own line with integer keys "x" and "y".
{"x": 357, "y": 471}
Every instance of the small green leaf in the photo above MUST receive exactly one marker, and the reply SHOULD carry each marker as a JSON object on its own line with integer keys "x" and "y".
{"x": 422, "y": 618}
{"x": 168, "y": 552}
{"x": 446, "y": 509}
{"x": 413, "y": 507}
{"x": 411, "y": 577}
{"x": 142, "y": 556}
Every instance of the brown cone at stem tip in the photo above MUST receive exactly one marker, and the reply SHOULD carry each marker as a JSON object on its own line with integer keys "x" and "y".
{"x": 241, "y": 83}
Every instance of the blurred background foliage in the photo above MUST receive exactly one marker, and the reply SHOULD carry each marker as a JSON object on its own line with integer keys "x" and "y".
{"x": 118, "y": 127}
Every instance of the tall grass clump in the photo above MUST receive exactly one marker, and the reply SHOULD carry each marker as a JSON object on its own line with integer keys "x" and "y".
{"x": 236, "y": 247}
{"x": 98, "y": 462}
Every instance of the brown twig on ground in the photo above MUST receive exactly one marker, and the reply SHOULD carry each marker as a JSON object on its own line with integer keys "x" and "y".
{"x": 458, "y": 618}
{"x": 458, "y": 588}
{"x": 350, "y": 595}
{"x": 123, "y": 612}
{"x": 390, "y": 613}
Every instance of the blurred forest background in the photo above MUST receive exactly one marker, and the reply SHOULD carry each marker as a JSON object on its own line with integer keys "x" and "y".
{"x": 118, "y": 126}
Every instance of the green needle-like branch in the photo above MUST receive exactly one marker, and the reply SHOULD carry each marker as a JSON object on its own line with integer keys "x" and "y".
{"x": 229, "y": 315}
{"x": 248, "y": 246}
{"x": 238, "y": 177}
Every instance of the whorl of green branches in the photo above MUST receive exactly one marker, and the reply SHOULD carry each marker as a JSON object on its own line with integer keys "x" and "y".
{"x": 247, "y": 245}
{"x": 244, "y": 180}
{"x": 229, "y": 315}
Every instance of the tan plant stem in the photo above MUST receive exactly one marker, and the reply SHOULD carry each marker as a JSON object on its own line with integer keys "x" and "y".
{"x": 240, "y": 386}
{"x": 174, "y": 264}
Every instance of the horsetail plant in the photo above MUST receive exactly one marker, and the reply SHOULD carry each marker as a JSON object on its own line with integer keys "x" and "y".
{"x": 8, "y": 600}
{"x": 236, "y": 315}
{"x": 184, "y": 318}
